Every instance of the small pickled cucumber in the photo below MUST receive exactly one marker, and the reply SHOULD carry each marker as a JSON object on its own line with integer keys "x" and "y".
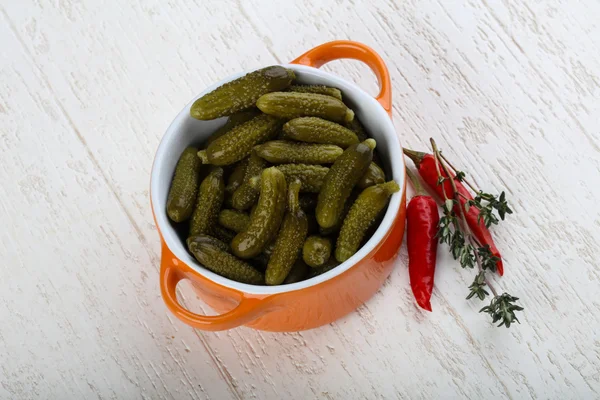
{"x": 329, "y": 265}
{"x": 362, "y": 215}
{"x": 219, "y": 261}
{"x": 266, "y": 217}
{"x": 241, "y": 93}
{"x": 311, "y": 176}
{"x": 223, "y": 234}
{"x": 245, "y": 196}
{"x": 289, "y": 240}
{"x": 233, "y": 121}
{"x": 316, "y": 251}
{"x": 319, "y": 89}
{"x": 237, "y": 144}
{"x": 308, "y": 202}
{"x": 286, "y": 152}
{"x": 209, "y": 202}
{"x": 298, "y": 272}
{"x": 318, "y": 130}
{"x": 333, "y": 230}
{"x": 340, "y": 180}
{"x": 182, "y": 194}
{"x": 358, "y": 128}
{"x": 373, "y": 176}
{"x": 234, "y": 220}
{"x": 194, "y": 240}
{"x": 294, "y": 105}
{"x": 236, "y": 178}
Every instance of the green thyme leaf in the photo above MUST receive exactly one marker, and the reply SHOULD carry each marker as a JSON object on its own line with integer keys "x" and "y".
{"x": 502, "y": 308}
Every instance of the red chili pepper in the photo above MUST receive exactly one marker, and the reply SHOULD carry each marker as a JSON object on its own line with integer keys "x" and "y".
{"x": 422, "y": 224}
{"x": 426, "y": 165}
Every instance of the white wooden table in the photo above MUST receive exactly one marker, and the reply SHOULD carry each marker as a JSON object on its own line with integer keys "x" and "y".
{"x": 510, "y": 90}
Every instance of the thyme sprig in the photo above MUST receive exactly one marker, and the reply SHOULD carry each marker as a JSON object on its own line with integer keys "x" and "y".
{"x": 454, "y": 231}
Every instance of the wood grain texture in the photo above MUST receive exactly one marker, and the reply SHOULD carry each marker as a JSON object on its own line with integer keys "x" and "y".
{"x": 509, "y": 89}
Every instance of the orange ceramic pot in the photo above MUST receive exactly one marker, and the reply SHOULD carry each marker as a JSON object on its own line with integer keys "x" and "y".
{"x": 313, "y": 302}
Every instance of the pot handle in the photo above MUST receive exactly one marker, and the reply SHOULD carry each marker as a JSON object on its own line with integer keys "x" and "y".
{"x": 170, "y": 274}
{"x": 341, "y": 49}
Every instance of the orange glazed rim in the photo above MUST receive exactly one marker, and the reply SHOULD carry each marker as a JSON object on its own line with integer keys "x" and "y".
{"x": 377, "y": 112}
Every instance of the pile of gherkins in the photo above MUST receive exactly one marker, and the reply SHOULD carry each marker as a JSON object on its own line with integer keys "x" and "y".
{"x": 286, "y": 190}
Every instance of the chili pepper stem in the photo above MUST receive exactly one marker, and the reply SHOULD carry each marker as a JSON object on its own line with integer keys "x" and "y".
{"x": 416, "y": 183}
{"x": 415, "y": 156}
{"x": 468, "y": 231}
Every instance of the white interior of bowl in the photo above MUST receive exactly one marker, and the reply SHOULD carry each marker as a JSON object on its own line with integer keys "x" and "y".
{"x": 185, "y": 131}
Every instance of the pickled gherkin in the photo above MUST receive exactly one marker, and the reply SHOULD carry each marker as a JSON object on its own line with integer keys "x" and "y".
{"x": 289, "y": 240}
{"x": 241, "y": 93}
{"x": 233, "y": 121}
{"x": 182, "y": 194}
{"x": 311, "y": 176}
{"x": 236, "y": 178}
{"x": 284, "y": 152}
{"x": 245, "y": 196}
{"x": 266, "y": 217}
{"x": 298, "y": 272}
{"x": 318, "y": 130}
{"x": 316, "y": 251}
{"x": 209, "y": 202}
{"x": 234, "y": 220}
{"x": 237, "y": 144}
{"x": 341, "y": 178}
{"x": 373, "y": 176}
{"x": 194, "y": 240}
{"x": 362, "y": 215}
{"x": 319, "y": 89}
{"x": 219, "y": 261}
{"x": 294, "y": 105}
{"x": 336, "y": 228}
